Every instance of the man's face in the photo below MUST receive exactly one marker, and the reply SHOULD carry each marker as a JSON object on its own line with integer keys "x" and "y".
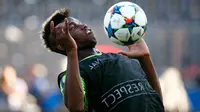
{"x": 83, "y": 36}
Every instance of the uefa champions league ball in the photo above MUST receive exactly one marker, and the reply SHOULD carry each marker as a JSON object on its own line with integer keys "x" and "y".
{"x": 125, "y": 23}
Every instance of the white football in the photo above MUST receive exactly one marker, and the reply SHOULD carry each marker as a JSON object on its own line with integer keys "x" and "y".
{"x": 125, "y": 23}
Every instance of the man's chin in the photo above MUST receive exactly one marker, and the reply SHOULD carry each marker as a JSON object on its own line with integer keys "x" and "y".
{"x": 92, "y": 44}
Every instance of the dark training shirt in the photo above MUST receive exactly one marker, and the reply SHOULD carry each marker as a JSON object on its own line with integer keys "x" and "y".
{"x": 114, "y": 83}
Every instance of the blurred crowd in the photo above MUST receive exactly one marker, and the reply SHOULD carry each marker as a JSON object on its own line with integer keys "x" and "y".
{"x": 28, "y": 93}
{"x": 28, "y": 72}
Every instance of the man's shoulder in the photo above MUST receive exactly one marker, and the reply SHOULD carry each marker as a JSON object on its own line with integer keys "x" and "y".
{"x": 98, "y": 60}
{"x": 101, "y": 57}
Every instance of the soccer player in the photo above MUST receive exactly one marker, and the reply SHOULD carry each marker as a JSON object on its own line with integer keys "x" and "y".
{"x": 98, "y": 82}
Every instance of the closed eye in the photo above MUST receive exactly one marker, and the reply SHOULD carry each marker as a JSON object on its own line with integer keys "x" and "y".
{"x": 72, "y": 26}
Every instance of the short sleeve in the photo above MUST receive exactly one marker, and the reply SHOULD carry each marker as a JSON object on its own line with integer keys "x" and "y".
{"x": 61, "y": 83}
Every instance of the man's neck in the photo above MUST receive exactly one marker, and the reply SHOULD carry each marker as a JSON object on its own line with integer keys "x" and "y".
{"x": 85, "y": 53}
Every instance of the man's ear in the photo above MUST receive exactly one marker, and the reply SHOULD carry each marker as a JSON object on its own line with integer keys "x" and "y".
{"x": 60, "y": 47}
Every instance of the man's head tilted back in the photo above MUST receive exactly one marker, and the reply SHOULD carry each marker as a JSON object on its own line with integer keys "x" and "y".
{"x": 83, "y": 36}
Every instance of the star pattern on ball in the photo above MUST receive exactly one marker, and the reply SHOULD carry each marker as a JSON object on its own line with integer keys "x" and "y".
{"x": 128, "y": 20}
{"x": 109, "y": 30}
{"x": 129, "y": 24}
{"x": 116, "y": 10}
{"x": 111, "y": 11}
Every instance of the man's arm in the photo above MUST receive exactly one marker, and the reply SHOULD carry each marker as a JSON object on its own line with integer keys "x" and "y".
{"x": 148, "y": 67}
{"x": 140, "y": 51}
{"x": 73, "y": 91}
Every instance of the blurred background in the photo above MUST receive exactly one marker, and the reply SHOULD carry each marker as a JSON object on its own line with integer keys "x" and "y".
{"x": 29, "y": 72}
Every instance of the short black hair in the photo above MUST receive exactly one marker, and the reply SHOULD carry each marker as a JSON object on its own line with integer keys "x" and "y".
{"x": 57, "y": 17}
